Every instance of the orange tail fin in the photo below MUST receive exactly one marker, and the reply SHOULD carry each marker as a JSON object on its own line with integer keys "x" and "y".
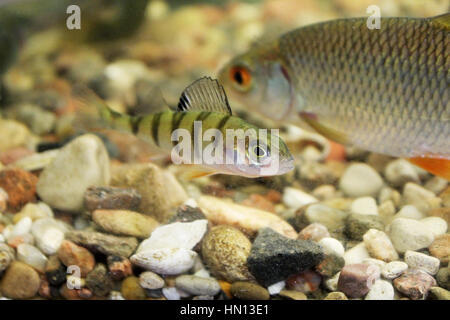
{"x": 437, "y": 166}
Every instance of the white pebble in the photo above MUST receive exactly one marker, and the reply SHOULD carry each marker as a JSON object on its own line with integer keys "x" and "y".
{"x": 171, "y": 293}
{"x": 436, "y": 184}
{"x": 332, "y": 283}
{"x": 359, "y": 180}
{"x": 175, "y": 235}
{"x": 409, "y": 212}
{"x": 32, "y": 256}
{"x": 356, "y": 254}
{"x": 418, "y": 196}
{"x": 168, "y": 261}
{"x": 393, "y": 269}
{"x": 276, "y": 288}
{"x": 331, "y": 245}
{"x": 381, "y": 290}
{"x": 20, "y": 228}
{"x": 422, "y": 261}
{"x": 379, "y": 263}
{"x": 202, "y": 273}
{"x": 295, "y": 198}
{"x": 50, "y": 241}
{"x": 115, "y": 295}
{"x": 409, "y": 234}
{"x": 150, "y": 280}
{"x": 2, "y": 238}
{"x": 436, "y": 225}
{"x": 191, "y": 203}
{"x": 400, "y": 171}
{"x": 364, "y": 205}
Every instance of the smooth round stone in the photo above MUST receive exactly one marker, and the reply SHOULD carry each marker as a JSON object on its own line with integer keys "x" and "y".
{"x": 314, "y": 232}
{"x": 356, "y": 254}
{"x": 409, "y": 212}
{"x": 49, "y": 234}
{"x": 203, "y": 273}
{"x": 131, "y": 290}
{"x": 168, "y": 261}
{"x": 20, "y": 281}
{"x": 379, "y": 263}
{"x": 125, "y": 222}
{"x": 332, "y": 283}
{"x": 421, "y": 198}
{"x": 197, "y": 285}
{"x": 32, "y": 256}
{"x": 171, "y": 293}
{"x": 176, "y": 235}
{"x": 150, "y": 280}
{"x": 400, "y": 171}
{"x": 360, "y": 180}
{"x": 20, "y": 228}
{"x": 408, "y": 234}
{"x": 364, "y": 205}
{"x": 422, "y": 261}
{"x": 331, "y": 218}
{"x": 393, "y": 269}
{"x": 436, "y": 225}
{"x": 332, "y": 246}
{"x": 249, "y": 291}
{"x": 336, "y": 296}
{"x": 34, "y": 211}
{"x": 440, "y": 248}
{"x": 379, "y": 245}
{"x": 381, "y": 290}
{"x": 276, "y": 288}
{"x": 436, "y": 184}
{"x": 82, "y": 163}
{"x": 225, "y": 251}
{"x": 295, "y": 198}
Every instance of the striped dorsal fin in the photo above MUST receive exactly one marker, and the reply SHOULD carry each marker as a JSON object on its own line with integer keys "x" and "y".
{"x": 204, "y": 94}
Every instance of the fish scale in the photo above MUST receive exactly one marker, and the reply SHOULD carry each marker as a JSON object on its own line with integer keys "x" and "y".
{"x": 374, "y": 85}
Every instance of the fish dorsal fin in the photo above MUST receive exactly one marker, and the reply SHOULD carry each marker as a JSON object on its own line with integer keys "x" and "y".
{"x": 204, "y": 94}
{"x": 442, "y": 20}
{"x": 155, "y": 104}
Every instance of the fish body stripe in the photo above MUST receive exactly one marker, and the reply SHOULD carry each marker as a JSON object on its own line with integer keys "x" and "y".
{"x": 222, "y": 123}
{"x": 135, "y": 123}
{"x": 155, "y": 126}
{"x": 176, "y": 121}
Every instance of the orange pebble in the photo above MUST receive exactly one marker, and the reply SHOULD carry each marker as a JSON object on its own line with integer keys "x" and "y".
{"x": 226, "y": 288}
{"x": 337, "y": 152}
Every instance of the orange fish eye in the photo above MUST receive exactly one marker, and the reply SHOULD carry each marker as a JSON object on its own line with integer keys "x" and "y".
{"x": 241, "y": 76}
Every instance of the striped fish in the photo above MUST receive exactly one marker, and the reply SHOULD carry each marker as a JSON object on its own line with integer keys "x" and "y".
{"x": 203, "y": 106}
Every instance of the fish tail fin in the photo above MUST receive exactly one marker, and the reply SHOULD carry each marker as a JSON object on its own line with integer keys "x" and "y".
{"x": 93, "y": 114}
{"x": 437, "y": 166}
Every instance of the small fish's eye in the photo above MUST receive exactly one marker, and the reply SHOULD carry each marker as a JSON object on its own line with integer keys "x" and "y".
{"x": 240, "y": 76}
{"x": 259, "y": 152}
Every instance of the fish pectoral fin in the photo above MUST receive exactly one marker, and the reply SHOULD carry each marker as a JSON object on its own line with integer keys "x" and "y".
{"x": 327, "y": 132}
{"x": 204, "y": 94}
{"x": 437, "y": 166}
{"x": 442, "y": 20}
{"x": 194, "y": 171}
